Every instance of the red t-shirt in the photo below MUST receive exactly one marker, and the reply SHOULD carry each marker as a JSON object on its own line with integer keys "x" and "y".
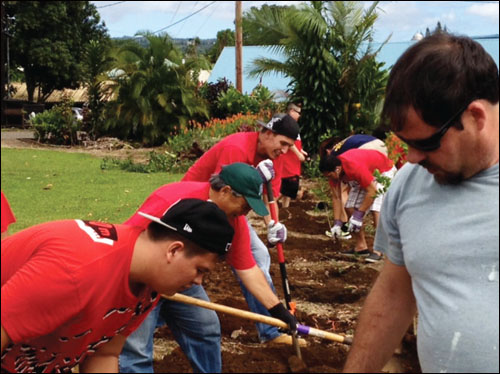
{"x": 239, "y": 255}
{"x": 359, "y": 165}
{"x": 7, "y": 215}
{"x": 291, "y": 163}
{"x": 239, "y": 147}
{"x": 65, "y": 292}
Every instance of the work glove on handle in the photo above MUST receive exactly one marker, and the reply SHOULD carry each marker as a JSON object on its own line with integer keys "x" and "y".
{"x": 356, "y": 221}
{"x": 337, "y": 229}
{"x": 280, "y": 312}
{"x": 276, "y": 232}
{"x": 266, "y": 170}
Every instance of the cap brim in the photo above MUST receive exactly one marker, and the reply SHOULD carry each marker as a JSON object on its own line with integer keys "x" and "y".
{"x": 257, "y": 205}
{"x": 263, "y": 124}
{"x": 157, "y": 220}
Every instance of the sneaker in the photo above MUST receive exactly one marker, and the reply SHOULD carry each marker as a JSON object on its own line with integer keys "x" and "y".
{"x": 352, "y": 252}
{"x": 373, "y": 257}
{"x": 286, "y": 339}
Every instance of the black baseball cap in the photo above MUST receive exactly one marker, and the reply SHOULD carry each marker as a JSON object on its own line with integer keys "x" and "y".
{"x": 202, "y": 222}
{"x": 282, "y": 124}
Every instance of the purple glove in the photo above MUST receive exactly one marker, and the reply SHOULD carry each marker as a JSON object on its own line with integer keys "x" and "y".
{"x": 276, "y": 232}
{"x": 356, "y": 221}
{"x": 266, "y": 170}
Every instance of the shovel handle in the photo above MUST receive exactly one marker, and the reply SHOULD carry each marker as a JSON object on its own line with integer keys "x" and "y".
{"x": 305, "y": 330}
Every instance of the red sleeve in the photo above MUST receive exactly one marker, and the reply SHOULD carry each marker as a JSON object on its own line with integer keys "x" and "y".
{"x": 7, "y": 215}
{"x": 240, "y": 255}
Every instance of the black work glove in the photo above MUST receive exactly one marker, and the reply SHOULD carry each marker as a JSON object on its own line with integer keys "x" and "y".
{"x": 280, "y": 312}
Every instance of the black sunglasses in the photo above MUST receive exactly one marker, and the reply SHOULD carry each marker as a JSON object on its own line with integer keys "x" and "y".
{"x": 433, "y": 142}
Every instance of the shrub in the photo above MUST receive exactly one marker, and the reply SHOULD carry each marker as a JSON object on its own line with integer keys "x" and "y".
{"x": 211, "y": 93}
{"x": 56, "y": 125}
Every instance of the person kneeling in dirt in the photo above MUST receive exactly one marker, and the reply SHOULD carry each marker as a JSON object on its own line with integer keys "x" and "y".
{"x": 356, "y": 167}
{"x": 73, "y": 290}
{"x": 236, "y": 190}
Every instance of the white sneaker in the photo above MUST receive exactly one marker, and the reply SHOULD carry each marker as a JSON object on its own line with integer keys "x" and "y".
{"x": 346, "y": 235}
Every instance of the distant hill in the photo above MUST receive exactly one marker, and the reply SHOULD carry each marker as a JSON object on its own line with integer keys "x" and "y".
{"x": 182, "y": 43}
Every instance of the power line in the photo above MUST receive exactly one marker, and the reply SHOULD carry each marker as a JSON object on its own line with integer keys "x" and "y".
{"x": 105, "y": 6}
{"x": 182, "y": 26}
{"x": 185, "y": 18}
{"x": 178, "y": 6}
{"x": 206, "y": 20}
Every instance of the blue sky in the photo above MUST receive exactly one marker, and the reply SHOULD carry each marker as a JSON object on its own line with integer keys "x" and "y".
{"x": 401, "y": 18}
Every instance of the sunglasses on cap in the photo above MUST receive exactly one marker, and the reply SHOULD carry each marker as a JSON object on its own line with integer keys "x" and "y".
{"x": 433, "y": 142}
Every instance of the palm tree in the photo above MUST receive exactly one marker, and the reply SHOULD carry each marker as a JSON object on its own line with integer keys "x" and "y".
{"x": 329, "y": 58}
{"x": 155, "y": 91}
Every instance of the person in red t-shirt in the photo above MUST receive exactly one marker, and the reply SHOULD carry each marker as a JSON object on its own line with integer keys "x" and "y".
{"x": 356, "y": 167}
{"x": 236, "y": 190}
{"x": 73, "y": 290}
{"x": 7, "y": 216}
{"x": 292, "y": 160}
{"x": 255, "y": 148}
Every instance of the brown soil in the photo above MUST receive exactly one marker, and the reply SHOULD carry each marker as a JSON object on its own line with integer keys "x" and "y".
{"x": 328, "y": 288}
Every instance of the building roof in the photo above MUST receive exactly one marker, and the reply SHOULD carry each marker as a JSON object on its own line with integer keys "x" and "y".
{"x": 225, "y": 67}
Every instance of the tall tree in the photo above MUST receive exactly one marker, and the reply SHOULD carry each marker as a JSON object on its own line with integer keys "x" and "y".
{"x": 330, "y": 59}
{"x": 49, "y": 40}
{"x": 224, "y": 38}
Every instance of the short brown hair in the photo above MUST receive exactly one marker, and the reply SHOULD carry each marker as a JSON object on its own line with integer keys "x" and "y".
{"x": 437, "y": 76}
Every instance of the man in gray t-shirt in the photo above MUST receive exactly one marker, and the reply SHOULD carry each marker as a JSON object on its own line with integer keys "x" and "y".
{"x": 439, "y": 220}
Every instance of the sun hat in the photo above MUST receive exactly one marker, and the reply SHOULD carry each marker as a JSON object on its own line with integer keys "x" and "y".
{"x": 282, "y": 124}
{"x": 245, "y": 180}
{"x": 202, "y": 222}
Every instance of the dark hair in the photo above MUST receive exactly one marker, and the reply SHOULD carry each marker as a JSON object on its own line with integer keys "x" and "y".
{"x": 158, "y": 233}
{"x": 328, "y": 163}
{"x": 216, "y": 182}
{"x": 438, "y": 76}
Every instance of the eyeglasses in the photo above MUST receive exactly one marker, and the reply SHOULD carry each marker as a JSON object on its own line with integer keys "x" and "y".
{"x": 433, "y": 142}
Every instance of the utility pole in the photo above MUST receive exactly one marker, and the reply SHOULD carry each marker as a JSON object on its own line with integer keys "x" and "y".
{"x": 239, "y": 48}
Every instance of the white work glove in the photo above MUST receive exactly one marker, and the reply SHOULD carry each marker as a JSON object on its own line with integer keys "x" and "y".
{"x": 337, "y": 229}
{"x": 356, "y": 221}
{"x": 266, "y": 170}
{"x": 276, "y": 232}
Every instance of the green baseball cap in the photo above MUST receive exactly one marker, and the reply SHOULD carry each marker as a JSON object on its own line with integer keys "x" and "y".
{"x": 245, "y": 180}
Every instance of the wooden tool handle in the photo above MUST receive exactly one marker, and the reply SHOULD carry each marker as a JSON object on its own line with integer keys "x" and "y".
{"x": 256, "y": 317}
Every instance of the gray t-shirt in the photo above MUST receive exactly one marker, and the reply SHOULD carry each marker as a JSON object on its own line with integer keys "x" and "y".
{"x": 447, "y": 236}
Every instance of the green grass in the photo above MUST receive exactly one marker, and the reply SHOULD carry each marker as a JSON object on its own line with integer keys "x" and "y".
{"x": 43, "y": 185}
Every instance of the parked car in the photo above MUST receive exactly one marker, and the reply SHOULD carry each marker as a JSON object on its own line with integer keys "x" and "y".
{"x": 77, "y": 113}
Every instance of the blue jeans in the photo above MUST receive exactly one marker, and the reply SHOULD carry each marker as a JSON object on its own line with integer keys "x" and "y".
{"x": 196, "y": 329}
{"x": 263, "y": 259}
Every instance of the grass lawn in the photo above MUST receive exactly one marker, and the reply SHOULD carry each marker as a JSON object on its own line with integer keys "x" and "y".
{"x": 45, "y": 185}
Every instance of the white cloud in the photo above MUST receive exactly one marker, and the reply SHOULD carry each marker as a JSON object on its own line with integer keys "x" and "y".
{"x": 488, "y": 11}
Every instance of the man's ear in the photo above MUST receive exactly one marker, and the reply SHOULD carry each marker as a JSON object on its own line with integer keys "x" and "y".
{"x": 478, "y": 113}
{"x": 173, "y": 249}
